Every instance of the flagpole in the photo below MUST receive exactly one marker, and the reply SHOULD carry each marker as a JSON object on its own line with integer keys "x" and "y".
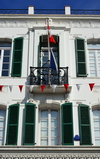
{"x": 48, "y": 55}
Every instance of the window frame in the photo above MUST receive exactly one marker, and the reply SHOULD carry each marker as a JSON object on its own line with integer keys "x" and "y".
{"x": 97, "y": 74}
{"x": 1, "y": 60}
{"x": 49, "y": 134}
{"x": 95, "y": 137}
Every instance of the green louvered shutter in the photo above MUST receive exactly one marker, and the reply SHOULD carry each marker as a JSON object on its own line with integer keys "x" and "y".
{"x": 29, "y": 134}
{"x": 80, "y": 58}
{"x": 84, "y": 124}
{"x": 12, "y": 130}
{"x": 17, "y": 57}
{"x": 67, "y": 124}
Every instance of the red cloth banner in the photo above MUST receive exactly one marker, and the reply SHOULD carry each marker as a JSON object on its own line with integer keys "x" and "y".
{"x": 20, "y": 87}
{"x": 91, "y": 85}
{"x": 66, "y": 86}
{"x": 42, "y": 87}
{"x": 1, "y": 87}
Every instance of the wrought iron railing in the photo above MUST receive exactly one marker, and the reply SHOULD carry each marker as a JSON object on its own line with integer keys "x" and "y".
{"x": 13, "y": 11}
{"x": 85, "y": 11}
{"x": 39, "y": 76}
{"x": 50, "y": 11}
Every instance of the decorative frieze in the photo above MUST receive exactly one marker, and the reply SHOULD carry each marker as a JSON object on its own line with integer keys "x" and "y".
{"x": 68, "y": 24}
{"x": 51, "y": 156}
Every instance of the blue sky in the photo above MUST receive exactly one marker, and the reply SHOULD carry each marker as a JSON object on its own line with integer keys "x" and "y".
{"x": 50, "y": 4}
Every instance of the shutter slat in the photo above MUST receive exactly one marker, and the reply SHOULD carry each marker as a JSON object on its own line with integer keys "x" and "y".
{"x": 67, "y": 124}
{"x": 17, "y": 57}
{"x": 80, "y": 57}
{"x": 12, "y": 130}
{"x": 84, "y": 125}
{"x": 29, "y": 137}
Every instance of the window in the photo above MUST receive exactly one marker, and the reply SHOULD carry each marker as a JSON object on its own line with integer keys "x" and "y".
{"x": 2, "y": 125}
{"x": 96, "y": 119}
{"x": 49, "y": 127}
{"x": 5, "y": 50}
{"x": 94, "y": 60}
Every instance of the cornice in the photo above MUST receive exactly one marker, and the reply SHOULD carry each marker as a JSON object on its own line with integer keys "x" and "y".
{"x": 62, "y": 25}
{"x": 52, "y": 16}
{"x": 49, "y": 152}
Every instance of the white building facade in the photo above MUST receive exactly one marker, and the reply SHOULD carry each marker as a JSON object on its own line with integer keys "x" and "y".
{"x": 46, "y": 113}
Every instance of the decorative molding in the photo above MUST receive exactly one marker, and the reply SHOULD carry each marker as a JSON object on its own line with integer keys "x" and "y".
{"x": 67, "y": 24}
{"x": 51, "y": 156}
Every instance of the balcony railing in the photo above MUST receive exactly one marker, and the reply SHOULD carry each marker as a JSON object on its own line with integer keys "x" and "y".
{"x": 51, "y": 11}
{"x": 46, "y": 76}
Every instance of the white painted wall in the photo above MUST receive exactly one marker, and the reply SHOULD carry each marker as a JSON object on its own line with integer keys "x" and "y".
{"x": 30, "y": 28}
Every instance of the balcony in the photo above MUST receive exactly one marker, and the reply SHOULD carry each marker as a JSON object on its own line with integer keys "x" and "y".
{"x": 46, "y": 76}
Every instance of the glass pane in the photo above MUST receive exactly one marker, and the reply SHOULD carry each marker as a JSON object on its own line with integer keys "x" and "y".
{"x": 5, "y": 66}
{"x": 6, "y": 59}
{"x": 97, "y": 133}
{"x": 6, "y": 52}
{"x": 5, "y": 73}
{"x": 96, "y": 114}
{"x": 96, "y": 123}
{"x": 54, "y": 141}
{"x": 54, "y": 114}
{"x": 1, "y": 123}
{"x": 44, "y": 114}
{"x": 44, "y": 142}
{"x": 5, "y": 44}
{"x": 97, "y": 142}
{"x": 44, "y": 132}
{"x": 1, "y": 141}
{"x": 54, "y": 122}
{"x": 54, "y": 132}
{"x": 94, "y": 46}
{"x": 44, "y": 123}
{"x": 91, "y": 53}
{"x": 1, "y": 132}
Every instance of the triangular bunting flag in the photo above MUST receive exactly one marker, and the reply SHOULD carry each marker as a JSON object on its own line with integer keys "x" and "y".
{"x": 91, "y": 85}
{"x": 78, "y": 86}
{"x": 31, "y": 88}
{"x": 53, "y": 87}
{"x": 66, "y": 86}
{"x": 42, "y": 87}
{"x": 10, "y": 87}
{"x": 20, "y": 87}
{"x": 1, "y": 87}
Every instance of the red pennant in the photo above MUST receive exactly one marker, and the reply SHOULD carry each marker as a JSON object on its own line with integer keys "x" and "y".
{"x": 42, "y": 87}
{"x": 1, "y": 87}
{"x": 20, "y": 87}
{"x": 91, "y": 85}
{"x": 51, "y": 39}
{"x": 66, "y": 86}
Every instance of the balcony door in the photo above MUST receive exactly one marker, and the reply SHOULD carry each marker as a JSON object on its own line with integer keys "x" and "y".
{"x": 44, "y": 60}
